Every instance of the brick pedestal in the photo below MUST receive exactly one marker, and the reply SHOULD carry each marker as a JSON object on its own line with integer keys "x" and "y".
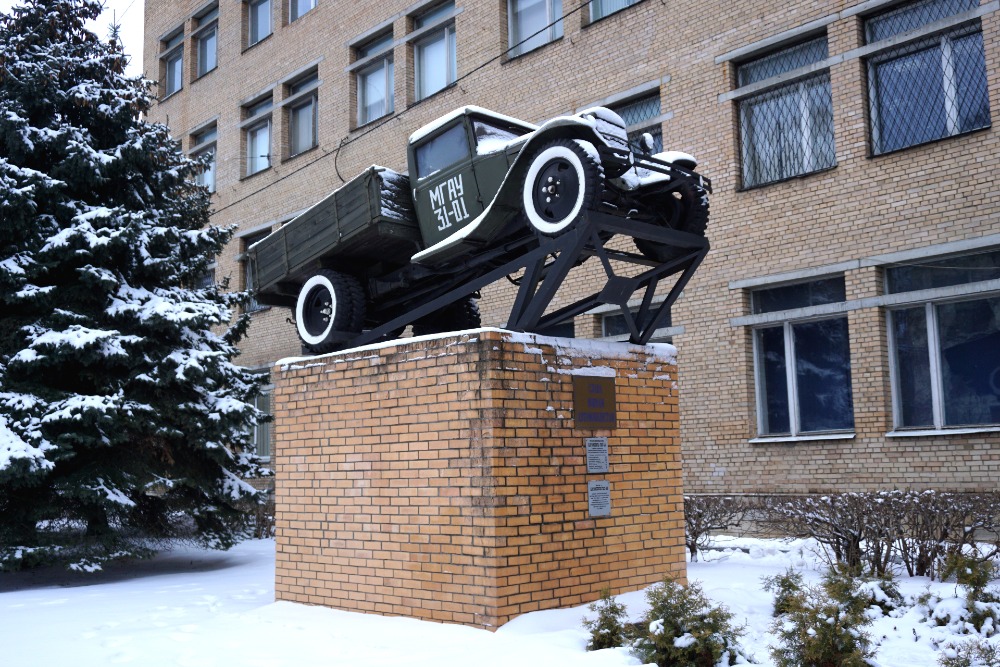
{"x": 445, "y": 479}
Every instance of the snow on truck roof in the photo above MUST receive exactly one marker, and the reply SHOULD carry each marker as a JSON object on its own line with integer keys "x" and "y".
{"x": 429, "y": 128}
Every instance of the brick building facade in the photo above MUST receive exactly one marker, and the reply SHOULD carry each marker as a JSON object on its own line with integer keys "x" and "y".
{"x": 844, "y": 332}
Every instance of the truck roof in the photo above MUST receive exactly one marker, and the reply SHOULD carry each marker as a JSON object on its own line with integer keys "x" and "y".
{"x": 469, "y": 109}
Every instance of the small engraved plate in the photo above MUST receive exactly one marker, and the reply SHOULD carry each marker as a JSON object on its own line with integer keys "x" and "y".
{"x": 597, "y": 455}
{"x": 599, "y": 497}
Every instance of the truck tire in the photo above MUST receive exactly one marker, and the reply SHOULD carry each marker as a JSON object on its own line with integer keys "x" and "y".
{"x": 457, "y": 316}
{"x": 563, "y": 180}
{"x": 329, "y": 304}
{"x": 688, "y": 212}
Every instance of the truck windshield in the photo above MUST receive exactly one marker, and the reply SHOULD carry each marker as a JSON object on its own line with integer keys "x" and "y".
{"x": 442, "y": 151}
{"x": 491, "y": 138}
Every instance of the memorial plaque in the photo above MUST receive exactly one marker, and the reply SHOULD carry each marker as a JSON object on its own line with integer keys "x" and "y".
{"x": 599, "y": 497}
{"x": 594, "y": 402}
{"x": 597, "y": 455}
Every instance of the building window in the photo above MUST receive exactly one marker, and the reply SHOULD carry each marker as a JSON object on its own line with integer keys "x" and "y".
{"x": 259, "y": 21}
{"x": 435, "y": 54}
{"x": 375, "y": 81}
{"x": 642, "y": 115}
{"x": 614, "y": 325}
{"x": 931, "y": 88}
{"x": 303, "y": 114}
{"x": 786, "y": 130}
{"x": 172, "y": 57}
{"x": 258, "y": 136}
{"x": 297, "y": 8}
{"x": 252, "y": 305}
{"x": 204, "y": 148}
{"x": 533, "y": 23}
{"x": 803, "y": 367}
{"x": 946, "y": 352}
{"x": 601, "y": 8}
{"x": 208, "y": 41}
{"x": 262, "y": 431}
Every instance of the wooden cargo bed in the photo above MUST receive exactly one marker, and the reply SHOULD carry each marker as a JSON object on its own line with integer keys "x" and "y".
{"x": 367, "y": 220}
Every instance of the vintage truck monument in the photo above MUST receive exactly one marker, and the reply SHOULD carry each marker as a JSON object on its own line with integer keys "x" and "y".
{"x": 487, "y": 196}
{"x": 474, "y": 477}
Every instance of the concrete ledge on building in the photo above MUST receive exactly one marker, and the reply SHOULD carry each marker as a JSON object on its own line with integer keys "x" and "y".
{"x": 446, "y": 479}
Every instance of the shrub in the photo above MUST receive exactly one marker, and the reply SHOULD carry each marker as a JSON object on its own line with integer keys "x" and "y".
{"x": 975, "y": 653}
{"x": 820, "y": 631}
{"x": 704, "y": 514}
{"x": 861, "y": 592}
{"x": 608, "y": 629}
{"x": 685, "y": 629}
{"x": 785, "y": 587}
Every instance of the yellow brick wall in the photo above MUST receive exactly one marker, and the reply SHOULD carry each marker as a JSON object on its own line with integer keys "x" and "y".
{"x": 916, "y": 198}
{"x": 446, "y": 480}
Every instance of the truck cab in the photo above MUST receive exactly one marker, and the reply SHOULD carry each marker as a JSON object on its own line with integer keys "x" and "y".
{"x": 457, "y": 166}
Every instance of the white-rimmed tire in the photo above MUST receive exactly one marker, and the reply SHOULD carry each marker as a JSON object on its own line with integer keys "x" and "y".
{"x": 562, "y": 181}
{"x": 330, "y": 305}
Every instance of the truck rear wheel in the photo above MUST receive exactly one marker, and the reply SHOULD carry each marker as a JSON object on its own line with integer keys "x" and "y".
{"x": 329, "y": 305}
{"x": 686, "y": 211}
{"x": 457, "y": 316}
{"x": 562, "y": 181}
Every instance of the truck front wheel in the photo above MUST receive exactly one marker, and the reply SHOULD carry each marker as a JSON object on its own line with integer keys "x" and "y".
{"x": 563, "y": 180}
{"x": 330, "y": 305}
{"x": 686, "y": 210}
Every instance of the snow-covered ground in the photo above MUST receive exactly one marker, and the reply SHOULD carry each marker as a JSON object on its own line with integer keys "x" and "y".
{"x": 191, "y": 607}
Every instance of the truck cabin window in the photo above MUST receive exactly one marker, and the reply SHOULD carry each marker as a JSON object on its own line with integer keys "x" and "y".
{"x": 442, "y": 151}
{"x": 491, "y": 138}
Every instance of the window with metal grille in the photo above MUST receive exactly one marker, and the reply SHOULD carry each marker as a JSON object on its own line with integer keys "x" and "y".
{"x": 786, "y": 130}
{"x": 945, "y": 352}
{"x": 927, "y": 89}
{"x": 639, "y": 115}
{"x": 262, "y": 431}
{"x": 803, "y": 366}
{"x": 435, "y": 55}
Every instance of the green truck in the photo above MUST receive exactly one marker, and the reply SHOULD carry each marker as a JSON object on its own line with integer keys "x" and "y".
{"x": 486, "y": 196}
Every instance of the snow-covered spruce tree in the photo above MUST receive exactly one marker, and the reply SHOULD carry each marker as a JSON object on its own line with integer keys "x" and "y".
{"x": 122, "y": 416}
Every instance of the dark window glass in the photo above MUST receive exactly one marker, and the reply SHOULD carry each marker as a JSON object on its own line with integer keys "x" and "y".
{"x": 442, "y": 151}
{"x": 784, "y": 60}
{"x": 773, "y": 380}
{"x": 913, "y": 371}
{"x": 912, "y": 16}
{"x": 799, "y": 295}
{"x": 969, "y": 333}
{"x": 823, "y": 375}
{"x": 944, "y": 272}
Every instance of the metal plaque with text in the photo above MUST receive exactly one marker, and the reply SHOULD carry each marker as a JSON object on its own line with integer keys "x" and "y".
{"x": 597, "y": 455}
{"x": 599, "y": 497}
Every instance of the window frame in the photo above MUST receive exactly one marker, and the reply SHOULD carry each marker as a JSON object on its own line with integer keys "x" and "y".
{"x": 652, "y": 124}
{"x": 440, "y": 29}
{"x": 593, "y": 16}
{"x": 251, "y": 305}
{"x": 801, "y": 86}
{"x": 207, "y": 29}
{"x": 293, "y": 6}
{"x": 303, "y": 92}
{"x": 204, "y": 141}
{"x": 264, "y": 430}
{"x": 172, "y": 59}
{"x": 553, "y": 24}
{"x": 943, "y": 40}
{"x": 259, "y": 116}
{"x": 251, "y": 17}
{"x": 791, "y": 382}
{"x": 377, "y": 55}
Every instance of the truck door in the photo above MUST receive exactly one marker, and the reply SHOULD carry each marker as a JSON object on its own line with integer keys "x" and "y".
{"x": 445, "y": 192}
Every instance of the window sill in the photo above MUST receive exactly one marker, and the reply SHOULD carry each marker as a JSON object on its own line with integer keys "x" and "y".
{"x": 259, "y": 41}
{"x": 203, "y": 75}
{"x": 511, "y": 58}
{"x": 300, "y": 153}
{"x": 923, "y": 433}
{"x": 259, "y": 309}
{"x": 176, "y": 92}
{"x": 371, "y": 122}
{"x": 931, "y": 142}
{"x": 807, "y": 174}
{"x": 591, "y": 21}
{"x": 450, "y": 86}
{"x": 256, "y": 173}
{"x": 802, "y": 438}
